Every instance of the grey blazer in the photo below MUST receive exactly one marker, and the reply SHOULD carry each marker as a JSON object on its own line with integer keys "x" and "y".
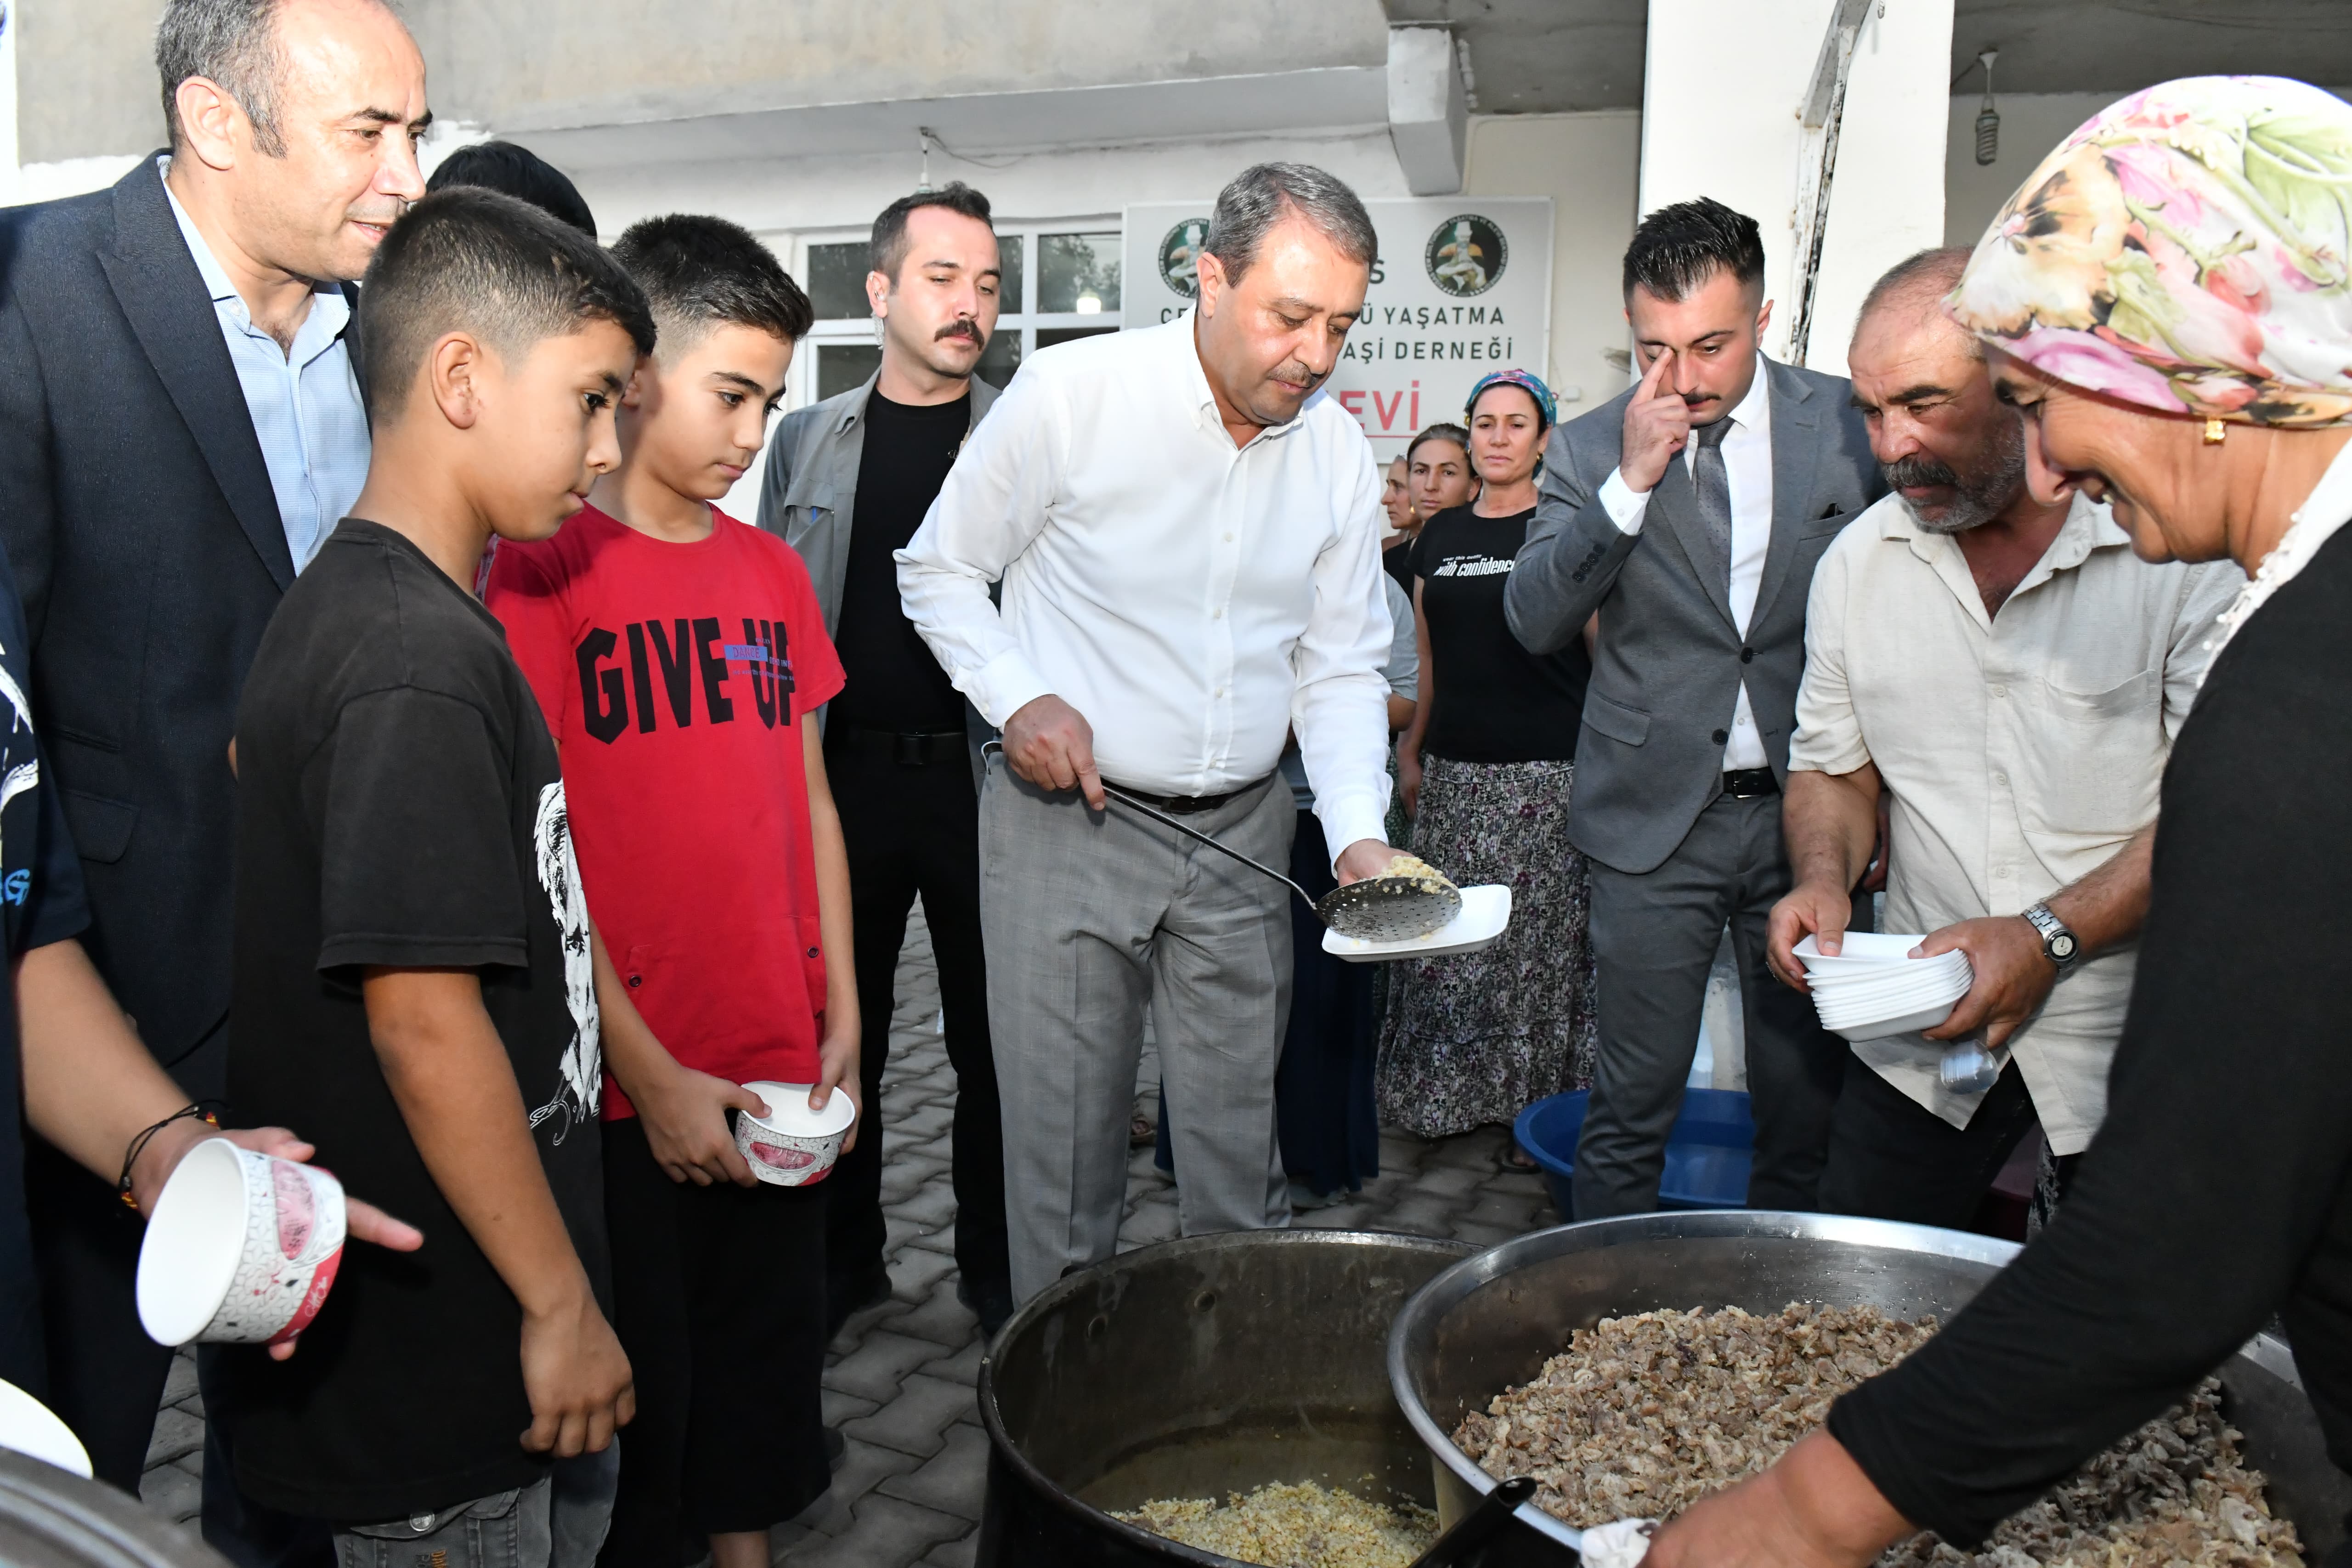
{"x": 808, "y": 497}
{"x": 1666, "y": 672}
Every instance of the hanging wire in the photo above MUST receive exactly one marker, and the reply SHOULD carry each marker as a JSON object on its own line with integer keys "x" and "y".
{"x": 1988, "y": 117}
{"x": 931, "y": 139}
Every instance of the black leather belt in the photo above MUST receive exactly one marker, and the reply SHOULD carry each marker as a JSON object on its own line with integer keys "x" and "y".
{"x": 1188, "y": 805}
{"x": 916, "y": 750}
{"x": 1746, "y": 784}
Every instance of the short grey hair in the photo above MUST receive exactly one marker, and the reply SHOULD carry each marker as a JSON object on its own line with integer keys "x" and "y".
{"x": 1920, "y": 281}
{"x": 233, "y": 43}
{"x": 1262, "y": 195}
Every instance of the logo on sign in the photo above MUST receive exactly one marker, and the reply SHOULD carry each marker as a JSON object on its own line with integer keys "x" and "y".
{"x": 1466, "y": 255}
{"x": 1179, "y": 255}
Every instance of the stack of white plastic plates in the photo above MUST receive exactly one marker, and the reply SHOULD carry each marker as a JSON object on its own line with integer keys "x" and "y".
{"x": 1873, "y": 987}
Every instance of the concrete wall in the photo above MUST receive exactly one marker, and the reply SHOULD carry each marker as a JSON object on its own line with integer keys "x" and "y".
{"x": 787, "y": 197}
{"x": 1887, "y": 201}
{"x": 89, "y": 84}
{"x": 1723, "y": 92}
{"x": 2031, "y": 125}
{"x": 789, "y": 201}
{"x": 86, "y": 78}
{"x": 500, "y": 61}
{"x": 1589, "y": 165}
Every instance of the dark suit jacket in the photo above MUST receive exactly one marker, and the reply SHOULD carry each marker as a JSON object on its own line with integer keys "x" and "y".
{"x": 1666, "y": 675}
{"x": 138, "y": 514}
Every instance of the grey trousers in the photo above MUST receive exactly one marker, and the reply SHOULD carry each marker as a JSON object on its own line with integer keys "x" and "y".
{"x": 1655, "y": 936}
{"x": 1085, "y": 917}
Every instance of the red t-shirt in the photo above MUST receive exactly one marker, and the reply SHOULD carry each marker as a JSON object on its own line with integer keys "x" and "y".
{"x": 675, "y": 679}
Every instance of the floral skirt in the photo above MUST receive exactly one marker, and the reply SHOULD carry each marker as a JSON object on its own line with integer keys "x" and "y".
{"x": 1473, "y": 1038}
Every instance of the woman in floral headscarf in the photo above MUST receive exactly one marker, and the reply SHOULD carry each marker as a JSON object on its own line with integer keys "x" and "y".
{"x": 2168, "y": 300}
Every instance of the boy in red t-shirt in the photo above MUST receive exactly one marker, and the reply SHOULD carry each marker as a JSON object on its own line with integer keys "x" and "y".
{"x": 677, "y": 654}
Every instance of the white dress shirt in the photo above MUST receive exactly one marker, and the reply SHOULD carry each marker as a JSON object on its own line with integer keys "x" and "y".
{"x": 1747, "y": 471}
{"x": 304, "y": 402}
{"x": 2020, "y": 749}
{"x": 1193, "y": 600}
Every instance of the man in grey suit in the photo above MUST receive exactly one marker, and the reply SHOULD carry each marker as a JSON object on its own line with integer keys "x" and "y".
{"x": 901, "y": 745}
{"x": 1687, "y": 515}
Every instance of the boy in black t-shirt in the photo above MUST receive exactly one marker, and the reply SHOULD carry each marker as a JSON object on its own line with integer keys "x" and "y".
{"x": 417, "y": 984}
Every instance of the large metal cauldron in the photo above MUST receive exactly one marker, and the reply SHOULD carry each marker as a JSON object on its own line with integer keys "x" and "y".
{"x": 1195, "y": 1368}
{"x": 49, "y": 1519}
{"x": 1492, "y": 1320}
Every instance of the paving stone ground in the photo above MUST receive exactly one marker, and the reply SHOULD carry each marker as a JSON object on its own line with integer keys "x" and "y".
{"x": 900, "y": 1377}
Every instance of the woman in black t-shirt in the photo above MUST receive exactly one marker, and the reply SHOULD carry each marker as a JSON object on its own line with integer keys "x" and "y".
{"x": 1486, "y": 769}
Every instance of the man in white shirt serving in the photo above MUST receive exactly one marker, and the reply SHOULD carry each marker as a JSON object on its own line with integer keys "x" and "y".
{"x": 1187, "y": 536}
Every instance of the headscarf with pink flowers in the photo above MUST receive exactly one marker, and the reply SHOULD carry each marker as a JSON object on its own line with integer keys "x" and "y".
{"x": 2188, "y": 249}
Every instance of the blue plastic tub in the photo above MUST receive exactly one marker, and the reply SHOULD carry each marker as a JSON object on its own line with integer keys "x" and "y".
{"x": 1707, "y": 1153}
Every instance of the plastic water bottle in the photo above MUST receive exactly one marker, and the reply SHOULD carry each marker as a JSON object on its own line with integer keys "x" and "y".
{"x": 1968, "y": 1068}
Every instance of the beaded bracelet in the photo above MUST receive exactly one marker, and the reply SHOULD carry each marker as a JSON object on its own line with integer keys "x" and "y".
{"x": 139, "y": 1145}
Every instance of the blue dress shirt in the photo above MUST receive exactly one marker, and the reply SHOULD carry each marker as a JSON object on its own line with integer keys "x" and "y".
{"x": 305, "y": 402}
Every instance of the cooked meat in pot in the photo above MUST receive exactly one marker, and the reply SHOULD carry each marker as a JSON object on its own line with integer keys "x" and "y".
{"x": 1643, "y": 1415}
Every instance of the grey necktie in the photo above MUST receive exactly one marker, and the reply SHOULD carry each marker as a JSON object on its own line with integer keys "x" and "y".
{"x": 1714, "y": 487}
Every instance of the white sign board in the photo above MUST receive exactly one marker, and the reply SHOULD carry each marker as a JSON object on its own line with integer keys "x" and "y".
{"x": 1462, "y": 286}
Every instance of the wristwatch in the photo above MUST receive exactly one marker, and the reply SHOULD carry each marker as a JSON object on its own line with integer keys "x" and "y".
{"x": 2061, "y": 946}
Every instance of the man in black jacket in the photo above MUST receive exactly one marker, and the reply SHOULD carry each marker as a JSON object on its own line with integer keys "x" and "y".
{"x": 179, "y": 427}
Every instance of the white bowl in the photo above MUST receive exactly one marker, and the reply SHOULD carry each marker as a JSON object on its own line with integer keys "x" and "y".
{"x": 793, "y": 1146}
{"x": 1880, "y": 1015}
{"x": 29, "y": 1427}
{"x": 1484, "y": 914}
{"x": 1861, "y": 947}
{"x": 1883, "y": 987}
{"x": 242, "y": 1248}
{"x": 1927, "y": 1019}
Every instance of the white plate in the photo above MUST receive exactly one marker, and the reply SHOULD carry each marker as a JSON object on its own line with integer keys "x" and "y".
{"x": 1485, "y": 911}
{"x": 29, "y": 1427}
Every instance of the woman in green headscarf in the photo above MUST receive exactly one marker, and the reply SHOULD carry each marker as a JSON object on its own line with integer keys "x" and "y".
{"x": 2167, "y": 301}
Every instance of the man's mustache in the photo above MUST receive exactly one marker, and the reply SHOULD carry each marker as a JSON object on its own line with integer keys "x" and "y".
{"x": 1920, "y": 473}
{"x": 1296, "y": 371}
{"x": 957, "y": 329}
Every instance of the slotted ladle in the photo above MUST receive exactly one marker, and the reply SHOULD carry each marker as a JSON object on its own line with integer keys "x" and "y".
{"x": 1377, "y": 908}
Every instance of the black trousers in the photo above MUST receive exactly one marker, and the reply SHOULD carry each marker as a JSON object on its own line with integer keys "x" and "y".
{"x": 1323, "y": 1104}
{"x": 1892, "y": 1158}
{"x": 718, "y": 1301}
{"x": 1654, "y": 935}
{"x": 913, "y": 830}
{"x": 105, "y": 1376}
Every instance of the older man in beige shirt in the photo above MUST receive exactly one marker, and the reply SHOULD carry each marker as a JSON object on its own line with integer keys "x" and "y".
{"x": 2011, "y": 676}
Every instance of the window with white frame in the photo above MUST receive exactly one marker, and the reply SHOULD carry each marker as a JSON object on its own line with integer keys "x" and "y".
{"x": 1061, "y": 281}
